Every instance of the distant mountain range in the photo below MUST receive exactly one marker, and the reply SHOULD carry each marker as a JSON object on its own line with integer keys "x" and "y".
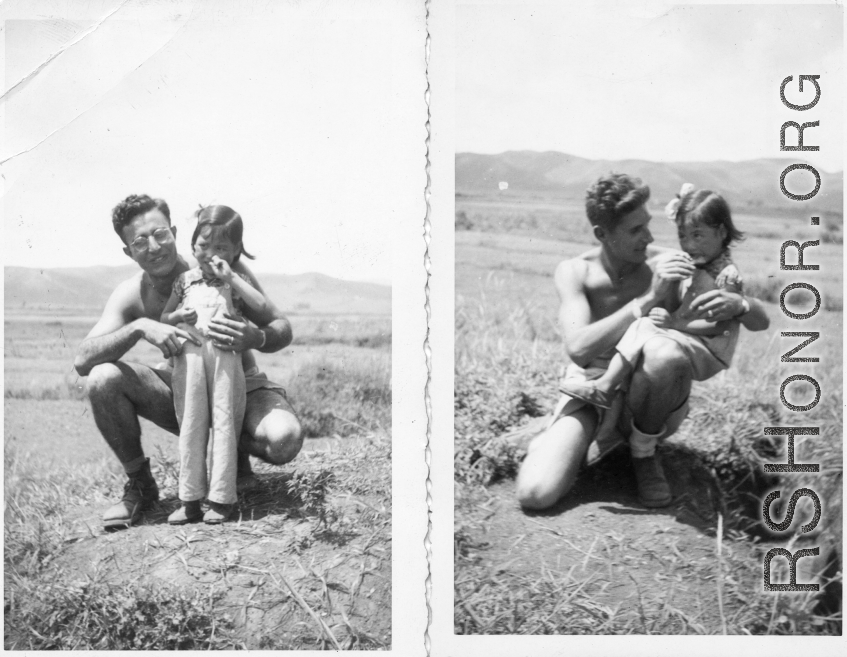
{"x": 88, "y": 288}
{"x": 753, "y": 184}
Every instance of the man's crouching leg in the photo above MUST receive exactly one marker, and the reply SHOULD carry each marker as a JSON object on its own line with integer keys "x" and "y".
{"x": 553, "y": 460}
{"x": 119, "y": 393}
{"x": 660, "y": 386}
{"x": 271, "y": 432}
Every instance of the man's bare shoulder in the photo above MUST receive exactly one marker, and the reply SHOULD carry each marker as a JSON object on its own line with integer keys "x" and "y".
{"x": 126, "y": 299}
{"x": 577, "y": 268}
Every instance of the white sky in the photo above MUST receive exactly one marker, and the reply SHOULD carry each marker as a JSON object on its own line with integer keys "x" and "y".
{"x": 653, "y": 81}
{"x": 295, "y": 114}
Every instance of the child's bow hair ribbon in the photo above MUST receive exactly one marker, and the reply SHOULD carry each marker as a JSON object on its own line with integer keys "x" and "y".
{"x": 673, "y": 207}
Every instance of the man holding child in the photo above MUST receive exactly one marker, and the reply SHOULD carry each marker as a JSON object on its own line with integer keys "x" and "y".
{"x": 120, "y": 392}
{"x": 602, "y": 293}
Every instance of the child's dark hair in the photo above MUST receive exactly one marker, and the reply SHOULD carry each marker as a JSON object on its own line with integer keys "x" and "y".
{"x": 710, "y": 208}
{"x": 223, "y": 219}
{"x": 612, "y": 197}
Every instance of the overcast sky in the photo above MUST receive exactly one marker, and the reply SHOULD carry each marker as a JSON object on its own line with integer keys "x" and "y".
{"x": 654, "y": 81}
{"x": 297, "y": 115}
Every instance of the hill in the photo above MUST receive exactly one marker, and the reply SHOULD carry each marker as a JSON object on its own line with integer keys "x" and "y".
{"x": 86, "y": 289}
{"x": 751, "y": 185}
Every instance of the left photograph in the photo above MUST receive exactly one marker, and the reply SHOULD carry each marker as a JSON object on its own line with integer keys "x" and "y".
{"x": 205, "y": 211}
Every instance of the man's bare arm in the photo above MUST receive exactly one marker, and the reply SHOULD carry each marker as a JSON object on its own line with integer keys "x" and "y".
{"x": 585, "y": 340}
{"x": 117, "y": 331}
{"x": 274, "y": 327}
{"x": 723, "y": 304}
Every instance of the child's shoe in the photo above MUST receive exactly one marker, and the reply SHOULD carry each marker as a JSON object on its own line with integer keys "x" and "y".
{"x": 653, "y": 489}
{"x": 588, "y": 392}
{"x": 217, "y": 513}
{"x": 188, "y": 512}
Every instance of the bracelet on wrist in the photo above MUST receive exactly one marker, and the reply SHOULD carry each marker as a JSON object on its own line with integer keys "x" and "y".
{"x": 745, "y": 306}
{"x": 264, "y": 339}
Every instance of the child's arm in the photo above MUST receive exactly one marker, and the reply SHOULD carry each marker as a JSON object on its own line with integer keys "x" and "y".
{"x": 173, "y": 315}
{"x": 254, "y": 299}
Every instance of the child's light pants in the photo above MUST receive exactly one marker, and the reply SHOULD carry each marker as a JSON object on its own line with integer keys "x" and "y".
{"x": 209, "y": 392}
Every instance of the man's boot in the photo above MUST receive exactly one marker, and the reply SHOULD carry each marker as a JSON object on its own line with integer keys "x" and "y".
{"x": 653, "y": 489}
{"x": 140, "y": 492}
{"x": 245, "y": 480}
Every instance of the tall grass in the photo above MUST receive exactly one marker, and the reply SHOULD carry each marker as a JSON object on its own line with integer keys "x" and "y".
{"x": 342, "y": 399}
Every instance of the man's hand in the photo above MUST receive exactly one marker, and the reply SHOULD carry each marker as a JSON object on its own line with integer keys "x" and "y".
{"x": 232, "y": 333}
{"x": 717, "y": 305}
{"x": 669, "y": 268}
{"x": 166, "y": 338}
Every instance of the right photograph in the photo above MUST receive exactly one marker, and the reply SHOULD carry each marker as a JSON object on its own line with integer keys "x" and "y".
{"x": 648, "y": 402}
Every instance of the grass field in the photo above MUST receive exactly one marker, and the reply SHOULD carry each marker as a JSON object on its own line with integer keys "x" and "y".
{"x": 597, "y": 562}
{"x": 306, "y": 563}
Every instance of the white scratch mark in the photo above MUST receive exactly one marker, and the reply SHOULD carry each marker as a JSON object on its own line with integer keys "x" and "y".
{"x": 78, "y": 38}
{"x": 63, "y": 126}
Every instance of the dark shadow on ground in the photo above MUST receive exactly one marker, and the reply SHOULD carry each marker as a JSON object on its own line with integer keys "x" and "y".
{"x": 612, "y": 480}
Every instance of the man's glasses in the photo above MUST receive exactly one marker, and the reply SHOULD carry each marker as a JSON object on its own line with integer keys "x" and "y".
{"x": 161, "y": 235}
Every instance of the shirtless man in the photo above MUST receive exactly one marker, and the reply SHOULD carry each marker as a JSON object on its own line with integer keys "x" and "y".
{"x": 120, "y": 392}
{"x": 602, "y": 292}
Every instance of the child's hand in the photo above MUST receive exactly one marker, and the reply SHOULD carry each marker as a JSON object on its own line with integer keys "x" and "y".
{"x": 660, "y": 317}
{"x": 221, "y": 269}
{"x": 729, "y": 276}
{"x": 188, "y": 315}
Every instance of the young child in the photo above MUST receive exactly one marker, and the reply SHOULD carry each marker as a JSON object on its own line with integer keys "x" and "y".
{"x": 208, "y": 383}
{"x": 705, "y": 230}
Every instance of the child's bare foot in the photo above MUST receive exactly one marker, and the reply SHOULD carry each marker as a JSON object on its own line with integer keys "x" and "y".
{"x": 589, "y": 392}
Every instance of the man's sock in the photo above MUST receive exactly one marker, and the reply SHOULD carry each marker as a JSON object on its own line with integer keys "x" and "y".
{"x": 643, "y": 445}
{"x": 131, "y": 467}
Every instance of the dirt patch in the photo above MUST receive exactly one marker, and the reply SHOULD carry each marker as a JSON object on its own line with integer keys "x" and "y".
{"x": 298, "y": 567}
{"x": 599, "y": 562}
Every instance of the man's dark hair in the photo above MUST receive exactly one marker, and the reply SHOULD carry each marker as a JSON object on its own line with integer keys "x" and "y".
{"x": 134, "y": 205}
{"x": 612, "y": 197}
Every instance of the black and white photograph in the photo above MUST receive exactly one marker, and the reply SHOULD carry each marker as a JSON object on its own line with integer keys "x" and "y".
{"x": 648, "y": 321}
{"x": 211, "y": 337}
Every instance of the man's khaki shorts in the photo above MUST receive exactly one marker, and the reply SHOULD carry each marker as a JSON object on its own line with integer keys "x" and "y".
{"x": 614, "y": 425}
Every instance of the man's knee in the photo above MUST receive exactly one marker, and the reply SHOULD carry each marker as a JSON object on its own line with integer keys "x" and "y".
{"x": 665, "y": 361}
{"x": 103, "y": 380}
{"x": 280, "y": 435}
{"x": 535, "y": 496}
